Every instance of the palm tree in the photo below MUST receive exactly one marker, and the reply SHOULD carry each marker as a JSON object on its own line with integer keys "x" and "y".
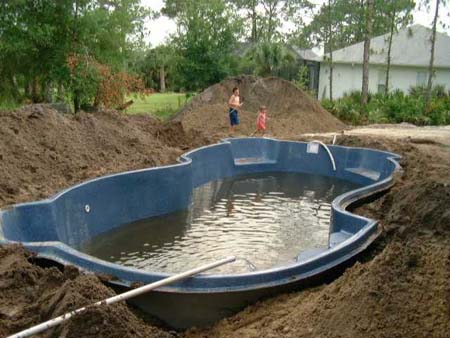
{"x": 269, "y": 58}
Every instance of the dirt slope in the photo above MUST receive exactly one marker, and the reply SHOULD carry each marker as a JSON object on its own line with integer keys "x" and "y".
{"x": 42, "y": 151}
{"x": 399, "y": 288}
{"x": 291, "y": 110}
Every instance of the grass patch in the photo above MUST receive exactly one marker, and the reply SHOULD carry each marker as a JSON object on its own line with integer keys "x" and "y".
{"x": 159, "y": 105}
{"x": 8, "y": 106}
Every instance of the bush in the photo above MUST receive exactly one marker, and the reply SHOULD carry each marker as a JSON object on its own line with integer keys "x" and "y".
{"x": 395, "y": 107}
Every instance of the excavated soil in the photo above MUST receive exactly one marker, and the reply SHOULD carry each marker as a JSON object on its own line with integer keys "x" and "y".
{"x": 398, "y": 288}
{"x": 291, "y": 111}
{"x": 43, "y": 151}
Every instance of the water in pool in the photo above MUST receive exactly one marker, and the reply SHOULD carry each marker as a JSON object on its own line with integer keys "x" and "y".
{"x": 267, "y": 219}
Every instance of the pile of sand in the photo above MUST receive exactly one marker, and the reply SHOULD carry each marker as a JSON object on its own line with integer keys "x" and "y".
{"x": 291, "y": 110}
{"x": 43, "y": 151}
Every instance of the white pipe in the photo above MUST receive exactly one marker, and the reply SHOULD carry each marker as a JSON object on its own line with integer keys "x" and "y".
{"x": 328, "y": 151}
{"x": 126, "y": 295}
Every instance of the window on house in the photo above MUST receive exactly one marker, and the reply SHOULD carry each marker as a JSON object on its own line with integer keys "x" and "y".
{"x": 421, "y": 78}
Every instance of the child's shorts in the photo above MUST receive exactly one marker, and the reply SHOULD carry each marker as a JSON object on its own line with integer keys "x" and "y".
{"x": 234, "y": 118}
{"x": 261, "y": 124}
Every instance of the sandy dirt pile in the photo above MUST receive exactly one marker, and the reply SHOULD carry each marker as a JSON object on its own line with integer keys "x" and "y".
{"x": 399, "y": 288}
{"x": 31, "y": 294}
{"x": 291, "y": 110}
{"x": 43, "y": 151}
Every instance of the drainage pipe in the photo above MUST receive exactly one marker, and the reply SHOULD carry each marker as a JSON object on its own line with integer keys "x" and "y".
{"x": 123, "y": 296}
{"x": 328, "y": 151}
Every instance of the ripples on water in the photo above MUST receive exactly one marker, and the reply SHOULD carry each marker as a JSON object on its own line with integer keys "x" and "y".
{"x": 266, "y": 219}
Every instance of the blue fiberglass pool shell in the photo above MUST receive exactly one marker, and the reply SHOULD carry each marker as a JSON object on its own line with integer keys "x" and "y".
{"x": 52, "y": 228}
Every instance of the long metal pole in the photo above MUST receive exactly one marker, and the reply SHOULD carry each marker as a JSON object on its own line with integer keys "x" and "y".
{"x": 124, "y": 296}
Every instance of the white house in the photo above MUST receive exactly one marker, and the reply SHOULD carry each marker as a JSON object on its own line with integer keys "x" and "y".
{"x": 410, "y": 57}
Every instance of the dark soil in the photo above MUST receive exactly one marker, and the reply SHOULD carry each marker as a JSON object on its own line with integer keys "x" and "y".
{"x": 399, "y": 288}
{"x": 291, "y": 111}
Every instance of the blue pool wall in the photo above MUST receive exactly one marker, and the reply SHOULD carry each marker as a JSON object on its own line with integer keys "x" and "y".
{"x": 54, "y": 228}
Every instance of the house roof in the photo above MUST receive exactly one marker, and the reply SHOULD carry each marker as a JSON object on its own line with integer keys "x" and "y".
{"x": 410, "y": 47}
{"x": 306, "y": 54}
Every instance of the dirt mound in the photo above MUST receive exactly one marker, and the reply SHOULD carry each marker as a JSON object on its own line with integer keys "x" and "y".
{"x": 30, "y": 294}
{"x": 399, "y": 288}
{"x": 43, "y": 151}
{"x": 291, "y": 110}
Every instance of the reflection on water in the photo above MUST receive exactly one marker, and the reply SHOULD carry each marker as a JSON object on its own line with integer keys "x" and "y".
{"x": 265, "y": 219}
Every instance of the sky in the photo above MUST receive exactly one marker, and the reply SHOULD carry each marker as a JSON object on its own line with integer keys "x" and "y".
{"x": 162, "y": 27}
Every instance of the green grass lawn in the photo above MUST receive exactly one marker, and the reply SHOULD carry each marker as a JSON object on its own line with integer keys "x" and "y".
{"x": 7, "y": 106}
{"x": 160, "y": 105}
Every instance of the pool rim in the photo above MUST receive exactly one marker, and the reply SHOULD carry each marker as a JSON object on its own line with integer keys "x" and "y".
{"x": 56, "y": 250}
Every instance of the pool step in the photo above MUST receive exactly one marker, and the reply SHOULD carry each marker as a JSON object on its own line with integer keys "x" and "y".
{"x": 253, "y": 160}
{"x": 307, "y": 254}
{"x": 372, "y": 174}
{"x": 338, "y": 237}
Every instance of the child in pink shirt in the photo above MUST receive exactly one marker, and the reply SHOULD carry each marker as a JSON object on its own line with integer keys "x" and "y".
{"x": 261, "y": 120}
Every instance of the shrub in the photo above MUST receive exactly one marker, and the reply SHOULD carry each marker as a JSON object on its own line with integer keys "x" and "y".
{"x": 395, "y": 107}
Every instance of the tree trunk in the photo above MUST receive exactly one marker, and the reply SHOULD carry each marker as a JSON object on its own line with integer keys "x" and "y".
{"x": 162, "y": 79}
{"x": 28, "y": 89}
{"x": 330, "y": 47}
{"x": 76, "y": 102}
{"x": 430, "y": 68}
{"x": 388, "y": 61}
{"x": 366, "y": 55}
{"x": 35, "y": 91}
{"x": 48, "y": 91}
{"x": 61, "y": 92}
{"x": 254, "y": 37}
{"x": 15, "y": 87}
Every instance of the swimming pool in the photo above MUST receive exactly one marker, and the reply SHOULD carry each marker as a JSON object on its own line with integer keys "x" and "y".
{"x": 53, "y": 228}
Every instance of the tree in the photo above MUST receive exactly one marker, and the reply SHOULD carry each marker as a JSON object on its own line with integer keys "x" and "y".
{"x": 399, "y": 13}
{"x": 158, "y": 66}
{"x": 427, "y": 3}
{"x": 250, "y": 7}
{"x": 322, "y": 30}
{"x": 348, "y": 22}
{"x": 40, "y": 37}
{"x": 269, "y": 58}
{"x": 266, "y": 16}
{"x": 366, "y": 55}
{"x": 330, "y": 45}
{"x": 206, "y": 39}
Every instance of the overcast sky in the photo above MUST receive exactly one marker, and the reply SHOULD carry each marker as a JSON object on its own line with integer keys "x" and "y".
{"x": 162, "y": 27}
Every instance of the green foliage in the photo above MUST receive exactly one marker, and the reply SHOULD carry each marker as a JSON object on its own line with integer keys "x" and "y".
{"x": 302, "y": 78}
{"x": 38, "y": 38}
{"x": 161, "y": 58}
{"x": 268, "y": 58}
{"x": 266, "y": 17}
{"x": 343, "y": 20}
{"x": 208, "y": 35}
{"x": 396, "y": 107}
